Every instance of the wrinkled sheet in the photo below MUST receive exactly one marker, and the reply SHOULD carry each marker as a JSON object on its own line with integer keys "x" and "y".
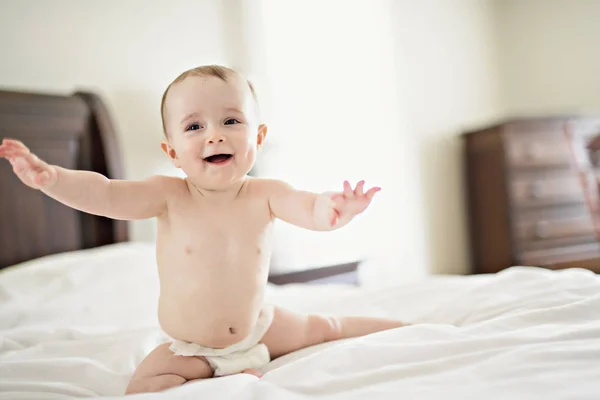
{"x": 77, "y": 324}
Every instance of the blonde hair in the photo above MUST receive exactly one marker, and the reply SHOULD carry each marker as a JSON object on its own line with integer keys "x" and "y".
{"x": 218, "y": 71}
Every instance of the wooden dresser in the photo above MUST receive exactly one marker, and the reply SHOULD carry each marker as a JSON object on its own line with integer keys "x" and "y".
{"x": 525, "y": 202}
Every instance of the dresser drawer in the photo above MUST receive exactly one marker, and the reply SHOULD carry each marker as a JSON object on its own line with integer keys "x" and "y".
{"x": 554, "y": 228}
{"x": 546, "y": 189}
{"x": 533, "y": 150}
{"x": 578, "y": 256}
{"x": 526, "y": 204}
{"x": 540, "y": 143}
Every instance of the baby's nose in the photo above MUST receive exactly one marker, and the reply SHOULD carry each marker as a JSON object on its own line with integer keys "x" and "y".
{"x": 215, "y": 138}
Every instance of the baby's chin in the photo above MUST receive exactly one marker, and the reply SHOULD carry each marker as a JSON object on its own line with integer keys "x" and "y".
{"x": 219, "y": 177}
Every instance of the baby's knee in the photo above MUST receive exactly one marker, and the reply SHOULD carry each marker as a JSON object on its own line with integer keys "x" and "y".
{"x": 324, "y": 329}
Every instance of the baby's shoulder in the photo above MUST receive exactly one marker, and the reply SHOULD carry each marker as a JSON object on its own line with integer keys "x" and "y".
{"x": 267, "y": 186}
{"x": 169, "y": 185}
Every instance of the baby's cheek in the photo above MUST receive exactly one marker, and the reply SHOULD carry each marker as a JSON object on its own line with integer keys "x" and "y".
{"x": 251, "y": 156}
{"x": 190, "y": 153}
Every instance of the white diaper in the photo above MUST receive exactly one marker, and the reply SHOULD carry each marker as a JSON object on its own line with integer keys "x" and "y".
{"x": 247, "y": 353}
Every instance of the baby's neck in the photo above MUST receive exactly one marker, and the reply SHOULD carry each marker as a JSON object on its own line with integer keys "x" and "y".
{"x": 230, "y": 192}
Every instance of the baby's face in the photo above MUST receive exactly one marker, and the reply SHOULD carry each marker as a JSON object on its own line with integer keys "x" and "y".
{"x": 213, "y": 130}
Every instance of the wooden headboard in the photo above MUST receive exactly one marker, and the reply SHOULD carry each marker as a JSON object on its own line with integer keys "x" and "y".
{"x": 74, "y": 132}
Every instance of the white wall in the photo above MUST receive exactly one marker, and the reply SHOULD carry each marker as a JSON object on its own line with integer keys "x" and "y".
{"x": 550, "y": 55}
{"x": 335, "y": 115}
{"x": 127, "y": 51}
{"x": 447, "y": 59}
{"x": 379, "y": 90}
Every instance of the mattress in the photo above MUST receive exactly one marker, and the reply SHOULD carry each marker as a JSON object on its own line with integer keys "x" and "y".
{"x": 77, "y": 324}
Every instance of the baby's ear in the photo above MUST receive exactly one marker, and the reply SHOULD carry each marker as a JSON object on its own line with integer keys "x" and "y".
{"x": 170, "y": 152}
{"x": 261, "y": 135}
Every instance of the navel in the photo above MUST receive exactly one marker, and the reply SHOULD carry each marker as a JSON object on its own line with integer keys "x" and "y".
{"x": 188, "y": 250}
{"x": 232, "y": 330}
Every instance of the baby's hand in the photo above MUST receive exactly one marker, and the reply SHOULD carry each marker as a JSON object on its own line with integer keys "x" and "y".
{"x": 27, "y": 166}
{"x": 343, "y": 206}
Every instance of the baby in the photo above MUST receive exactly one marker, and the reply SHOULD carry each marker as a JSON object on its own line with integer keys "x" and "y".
{"x": 214, "y": 233}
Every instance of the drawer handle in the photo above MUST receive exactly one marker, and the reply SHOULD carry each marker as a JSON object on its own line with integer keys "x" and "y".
{"x": 542, "y": 230}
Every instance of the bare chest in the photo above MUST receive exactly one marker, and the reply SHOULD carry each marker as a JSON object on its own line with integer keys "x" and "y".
{"x": 219, "y": 238}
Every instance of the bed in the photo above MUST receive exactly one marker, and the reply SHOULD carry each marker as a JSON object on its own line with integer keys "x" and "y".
{"x": 70, "y": 326}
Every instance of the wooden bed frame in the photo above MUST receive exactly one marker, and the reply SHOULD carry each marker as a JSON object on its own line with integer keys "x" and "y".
{"x": 75, "y": 131}
{"x": 71, "y": 131}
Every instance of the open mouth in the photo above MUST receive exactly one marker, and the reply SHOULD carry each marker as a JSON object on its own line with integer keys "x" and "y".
{"x": 218, "y": 158}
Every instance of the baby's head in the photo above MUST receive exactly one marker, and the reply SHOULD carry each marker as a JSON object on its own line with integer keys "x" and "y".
{"x": 212, "y": 125}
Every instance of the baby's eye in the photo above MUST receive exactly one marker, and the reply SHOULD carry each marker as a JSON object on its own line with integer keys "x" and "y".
{"x": 193, "y": 127}
{"x": 231, "y": 121}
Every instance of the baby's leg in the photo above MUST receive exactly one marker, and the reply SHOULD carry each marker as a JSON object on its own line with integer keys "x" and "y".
{"x": 162, "y": 370}
{"x": 291, "y": 331}
{"x": 361, "y": 326}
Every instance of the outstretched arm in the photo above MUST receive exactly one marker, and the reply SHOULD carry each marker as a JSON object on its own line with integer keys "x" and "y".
{"x": 319, "y": 212}
{"x": 85, "y": 190}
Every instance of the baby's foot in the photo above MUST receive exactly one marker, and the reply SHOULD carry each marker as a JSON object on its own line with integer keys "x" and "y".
{"x": 253, "y": 371}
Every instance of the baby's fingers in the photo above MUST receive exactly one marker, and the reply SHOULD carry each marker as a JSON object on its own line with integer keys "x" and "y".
{"x": 359, "y": 188}
{"x": 371, "y": 192}
{"x": 5, "y": 149}
{"x": 348, "y": 189}
{"x": 335, "y": 216}
{"x": 13, "y": 144}
{"x": 20, "y": 153}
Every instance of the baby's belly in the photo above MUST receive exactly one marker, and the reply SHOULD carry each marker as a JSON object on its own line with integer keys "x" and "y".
{"x": 211, "y": 309}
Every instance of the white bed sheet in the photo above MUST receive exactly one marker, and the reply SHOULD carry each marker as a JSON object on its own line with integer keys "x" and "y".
{"x": 77, "y": 324}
